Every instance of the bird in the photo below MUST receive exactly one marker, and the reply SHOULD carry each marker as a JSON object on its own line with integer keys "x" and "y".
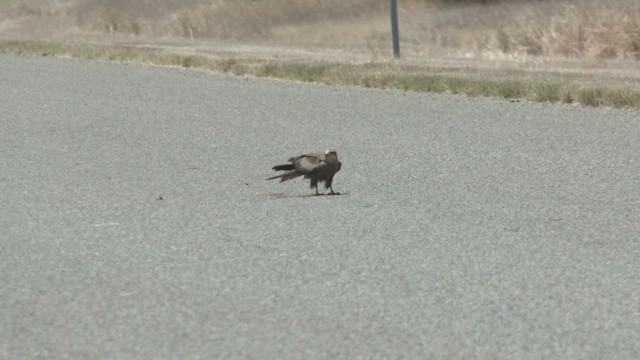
{"x": 318, "y": 167}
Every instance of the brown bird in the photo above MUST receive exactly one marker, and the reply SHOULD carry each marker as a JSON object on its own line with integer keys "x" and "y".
{"x": 314, "y": 166}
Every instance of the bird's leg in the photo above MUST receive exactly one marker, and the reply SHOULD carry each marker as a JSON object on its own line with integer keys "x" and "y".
{"x": 317, "y": 190}
{"x": 332, "y": 192}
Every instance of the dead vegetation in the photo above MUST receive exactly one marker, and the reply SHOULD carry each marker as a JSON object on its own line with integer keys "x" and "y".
{"x": 586, "y": 29}
{"x": 255, "y": 19}
{"x": 590, "y": 29}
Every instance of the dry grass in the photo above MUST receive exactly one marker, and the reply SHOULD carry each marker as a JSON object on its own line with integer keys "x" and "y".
{"x": 255, "y": 19}
{"x": 591, "y": 29}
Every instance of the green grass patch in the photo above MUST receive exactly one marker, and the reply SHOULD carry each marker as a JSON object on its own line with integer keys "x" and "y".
{"x": 294, "y": 71}
{"x": 592, "y": 97}
{"x": 547, "y": 93}
{"x": 625, "y": 99}
{"x": 512, "y": 89}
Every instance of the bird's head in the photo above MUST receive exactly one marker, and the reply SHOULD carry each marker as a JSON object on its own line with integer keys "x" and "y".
{"x": 331, "y": 156}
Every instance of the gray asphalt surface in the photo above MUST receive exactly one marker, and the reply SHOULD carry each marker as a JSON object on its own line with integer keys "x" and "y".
{"x": 136, "y": 221}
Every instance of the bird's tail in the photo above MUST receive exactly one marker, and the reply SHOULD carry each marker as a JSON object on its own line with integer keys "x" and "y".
{"x": 286, "y": 176}
{"x": 283, "y": 167}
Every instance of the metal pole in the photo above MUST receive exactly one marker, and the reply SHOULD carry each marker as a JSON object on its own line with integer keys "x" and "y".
{"x": 393, "y": 9}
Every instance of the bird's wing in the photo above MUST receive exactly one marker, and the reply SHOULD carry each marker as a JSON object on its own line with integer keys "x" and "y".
{"x": 309, "y": 163}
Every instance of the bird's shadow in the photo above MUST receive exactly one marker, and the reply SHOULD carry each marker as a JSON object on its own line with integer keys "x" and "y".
{"x": 275, "y": 196}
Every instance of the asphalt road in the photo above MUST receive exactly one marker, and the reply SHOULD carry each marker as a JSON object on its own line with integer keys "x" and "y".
{"x": 136, "y": 222}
